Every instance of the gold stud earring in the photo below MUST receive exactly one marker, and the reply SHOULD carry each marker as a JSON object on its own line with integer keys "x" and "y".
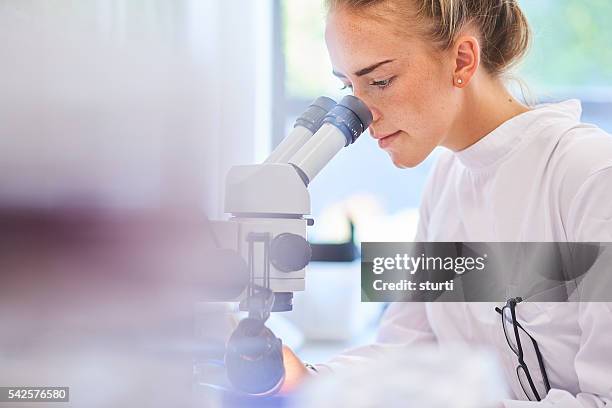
{"x": 459, "y": 81}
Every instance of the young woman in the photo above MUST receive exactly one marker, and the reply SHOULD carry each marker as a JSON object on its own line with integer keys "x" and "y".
{"x": 432, "y": 73}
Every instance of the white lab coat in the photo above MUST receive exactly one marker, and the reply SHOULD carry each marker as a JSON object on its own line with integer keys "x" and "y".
{"x": 541, "y": 176}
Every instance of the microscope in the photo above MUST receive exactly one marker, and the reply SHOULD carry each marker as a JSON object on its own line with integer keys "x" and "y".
{"x": 266, "y": 233}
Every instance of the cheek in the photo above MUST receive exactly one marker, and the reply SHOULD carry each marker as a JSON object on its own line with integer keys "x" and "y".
{"x": 439, "y": 100}
{"x": 424, "y": 111}
{"x": 423, "y": 107}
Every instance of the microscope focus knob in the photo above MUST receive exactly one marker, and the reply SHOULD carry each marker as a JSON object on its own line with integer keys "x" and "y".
{"x": 289, "y": 252}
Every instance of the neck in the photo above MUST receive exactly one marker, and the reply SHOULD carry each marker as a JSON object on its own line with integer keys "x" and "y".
{"x": 485, "y": 105}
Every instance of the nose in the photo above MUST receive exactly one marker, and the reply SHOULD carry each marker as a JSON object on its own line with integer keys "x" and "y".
{"x": 376, "y": 114}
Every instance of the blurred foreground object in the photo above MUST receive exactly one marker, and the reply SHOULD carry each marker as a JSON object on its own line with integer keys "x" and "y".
{"x": 103, "y": 302}
{"x": 424, "y": 377}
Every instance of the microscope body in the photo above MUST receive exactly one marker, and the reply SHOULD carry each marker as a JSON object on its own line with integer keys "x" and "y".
{"x": 267, "y": 227}
{"x": 268, "y": 202}
{"x": 267, "y": 233}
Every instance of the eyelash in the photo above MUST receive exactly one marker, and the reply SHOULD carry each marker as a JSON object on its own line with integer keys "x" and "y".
{"x": 380, "y": 84}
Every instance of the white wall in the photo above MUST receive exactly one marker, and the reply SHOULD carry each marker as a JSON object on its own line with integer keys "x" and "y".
{"x": 126, "y": 103}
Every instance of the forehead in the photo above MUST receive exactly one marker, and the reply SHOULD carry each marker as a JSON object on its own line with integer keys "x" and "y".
{"x": 357, "y": 40}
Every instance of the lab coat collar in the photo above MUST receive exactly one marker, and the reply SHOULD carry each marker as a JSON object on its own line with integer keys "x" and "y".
{"x": 508, "y": 136}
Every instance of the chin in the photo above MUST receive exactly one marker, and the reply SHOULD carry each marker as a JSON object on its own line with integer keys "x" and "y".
{"x": 404, "y": 162}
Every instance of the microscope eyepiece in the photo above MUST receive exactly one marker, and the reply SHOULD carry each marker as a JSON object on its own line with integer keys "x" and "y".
{"x": 351, "y": 116}
{"x": 312, "y": 118}
{"x": 340, "y": 128}
{"x": 305, "y": 126}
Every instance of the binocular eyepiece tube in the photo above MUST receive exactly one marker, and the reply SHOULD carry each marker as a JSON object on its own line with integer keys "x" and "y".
{"x": 340, "y": 127}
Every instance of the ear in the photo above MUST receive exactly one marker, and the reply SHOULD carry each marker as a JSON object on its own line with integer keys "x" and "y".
{"x": 467, "y": 58}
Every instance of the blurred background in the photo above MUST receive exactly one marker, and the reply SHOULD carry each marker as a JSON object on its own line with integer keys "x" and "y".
{"x": 145, "y": 104}
{"x": 569, "y": 58}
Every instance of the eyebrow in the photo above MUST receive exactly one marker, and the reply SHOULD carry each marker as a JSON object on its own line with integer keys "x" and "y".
{"x": 365, "y": 70}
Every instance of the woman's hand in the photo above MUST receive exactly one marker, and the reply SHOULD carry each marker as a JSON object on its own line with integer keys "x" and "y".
{"x": 295, "y": 371}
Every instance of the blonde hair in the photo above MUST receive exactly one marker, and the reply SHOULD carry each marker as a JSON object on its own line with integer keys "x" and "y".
{"x": 504, "y": 30}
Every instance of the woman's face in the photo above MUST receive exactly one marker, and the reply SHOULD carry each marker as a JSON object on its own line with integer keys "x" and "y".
{"x": 406, "y": 83}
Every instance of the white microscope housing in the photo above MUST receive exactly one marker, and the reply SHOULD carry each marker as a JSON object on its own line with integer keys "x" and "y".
{"x": 269, "y": 202}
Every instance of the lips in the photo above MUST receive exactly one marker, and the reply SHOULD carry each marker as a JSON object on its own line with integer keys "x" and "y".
{"x": 379, "y": 137}
{"x": 384, "y": 141}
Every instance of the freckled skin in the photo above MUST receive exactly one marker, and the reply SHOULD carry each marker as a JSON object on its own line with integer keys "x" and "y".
{"x": 422, "y": 100}
{"x": 415, "y": 102}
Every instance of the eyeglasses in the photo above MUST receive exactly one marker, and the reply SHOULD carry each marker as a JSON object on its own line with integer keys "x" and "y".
{"x": 511, "y": 330}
